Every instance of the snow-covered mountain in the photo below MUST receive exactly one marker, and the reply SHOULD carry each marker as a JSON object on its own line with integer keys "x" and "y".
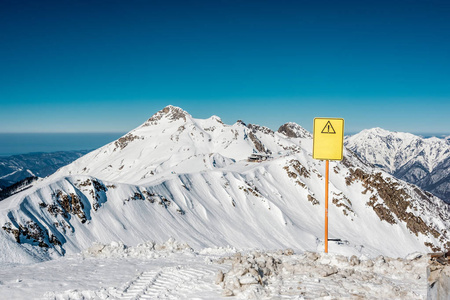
{"x": 421, "y": 161}
{"x": 17, "y": 187}
{"x": 191, "y": 179}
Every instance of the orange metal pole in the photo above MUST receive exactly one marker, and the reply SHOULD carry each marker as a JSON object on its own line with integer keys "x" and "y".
{"x": 326, "y": 205}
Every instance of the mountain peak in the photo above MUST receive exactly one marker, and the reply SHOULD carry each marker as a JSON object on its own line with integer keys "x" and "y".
{"x": 383, "y": 133}
{"x": 216, "y": 118}
{"x": 240, "y": 122}
{"x": 170, "y": 112}
{"x": 293, "y": 130}
{"x": 377, "y": 131}
{"x": 418, "y": 160}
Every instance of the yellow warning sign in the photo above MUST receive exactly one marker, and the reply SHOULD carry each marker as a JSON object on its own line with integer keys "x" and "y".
{"x": 328, "y": 138}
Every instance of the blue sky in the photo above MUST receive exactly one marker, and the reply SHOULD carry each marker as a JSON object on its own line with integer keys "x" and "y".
{"x": 107, "y": 66}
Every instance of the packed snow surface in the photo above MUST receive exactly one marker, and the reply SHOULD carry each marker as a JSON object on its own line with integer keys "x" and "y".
{"x": 173, "y": 270}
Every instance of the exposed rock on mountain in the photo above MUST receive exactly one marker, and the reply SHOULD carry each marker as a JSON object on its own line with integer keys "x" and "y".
{"x": 421, "y": 161}
{"x": 190, "y": 179}
{"x": 294, "y": 130}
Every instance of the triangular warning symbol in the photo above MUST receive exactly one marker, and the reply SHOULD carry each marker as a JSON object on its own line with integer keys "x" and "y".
{"x": 328, "y": 128}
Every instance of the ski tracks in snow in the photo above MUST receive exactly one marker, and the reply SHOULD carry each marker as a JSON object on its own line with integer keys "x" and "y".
{"x": 169, "y": 283}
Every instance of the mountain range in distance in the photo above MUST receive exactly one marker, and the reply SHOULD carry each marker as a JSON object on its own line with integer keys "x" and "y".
{"x": 421, "y": 161}
{"x": 15, "y": 168}
{"x": 412, "y": 158}
{"x": 17, "y": 172}
{"x": 192, "y": 179}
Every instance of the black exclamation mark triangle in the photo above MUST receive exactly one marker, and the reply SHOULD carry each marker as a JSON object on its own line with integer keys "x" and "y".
{"x": 328, "y": 128}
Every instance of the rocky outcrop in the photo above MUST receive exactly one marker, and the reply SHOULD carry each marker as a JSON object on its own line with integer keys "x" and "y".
{"x": 258, "y": 144}
{"x": 263, "y": 129}
{"x": 32, "y": 233}
{"x": 438, "y": 274}
{"x": 124, "y": 141}
{"x": 170, "y": 112}
{"x": 397, "y": 204}
{"x": 421, "y": 161}
{"x": 293, "y": 130}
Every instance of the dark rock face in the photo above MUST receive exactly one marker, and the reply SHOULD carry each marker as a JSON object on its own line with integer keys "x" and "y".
{"x": 397, "y": 203}
{"x": 293, "y": 130}
{"x": 258, "y": 144}
{"x": 32, "y": 233}
{"x": 253, "y": 130}
{"x": 263, "y": 129}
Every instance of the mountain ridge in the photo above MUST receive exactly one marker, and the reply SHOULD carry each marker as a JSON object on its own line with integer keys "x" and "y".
{"x": 15, "y": 168}
{"x": 190, "y": 179}
{"x": 421, "y": 161}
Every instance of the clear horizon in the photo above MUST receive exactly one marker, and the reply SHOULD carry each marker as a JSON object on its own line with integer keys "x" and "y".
{"x": 422, "y": 134}
{"x": 26, "y": 143}
{"x": 102, "y": 66}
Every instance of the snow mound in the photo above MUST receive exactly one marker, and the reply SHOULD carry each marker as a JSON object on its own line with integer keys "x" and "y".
{"x": 218, "y": 251}
{"x": 314, "y": 275}
{"x": 147, "y": 250}
{"x": 79, "y": 295}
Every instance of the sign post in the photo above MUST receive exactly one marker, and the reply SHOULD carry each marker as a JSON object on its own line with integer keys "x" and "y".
{"x": 328, "y": 144}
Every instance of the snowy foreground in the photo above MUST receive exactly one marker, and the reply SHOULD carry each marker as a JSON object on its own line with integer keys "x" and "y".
{"x": 175, "y": 271}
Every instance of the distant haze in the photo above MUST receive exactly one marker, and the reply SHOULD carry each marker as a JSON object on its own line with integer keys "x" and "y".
{"x": 20, "y": 143}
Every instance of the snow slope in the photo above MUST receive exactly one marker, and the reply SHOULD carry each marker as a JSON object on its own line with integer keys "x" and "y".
{"x": 186, "y": 178}
{"x": 421, "y": 161}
